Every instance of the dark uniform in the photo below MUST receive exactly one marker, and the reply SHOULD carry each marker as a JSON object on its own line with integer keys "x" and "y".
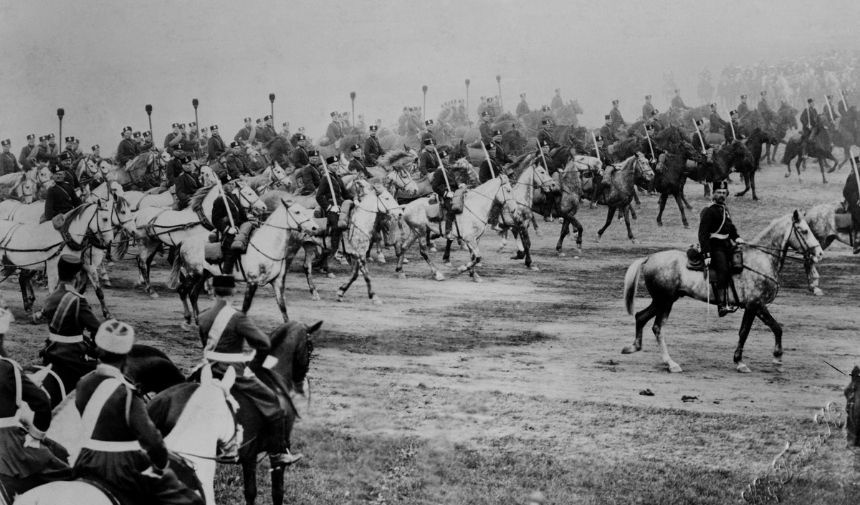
{"x": 810, "y": 122}
{"x": 175, "y": 141}
{"x": 334, "y": 131}
{"x": 60, "y": 198}
{"x": 437, "y": 182}
{"x": 23, "y": 468}
{"x": 310, "y": 177}
{"x": 357, "y": 167}
{"x": 678, "y": 102}
{"x": 372, "y": 150}
{"x": 300, "y": 157}
{"x": 123, "y": 442}
{"x": 24, "y": 158}
{"x": 717, "y": 124}
{"x": 221, "y": 221}
{"x": 324, "y": 199}
{"x": 523, "y": 108}
{"x": 545, "y": 136}
{"x": 46, "y": 154}
{"x": 608, "y": 133}
{"x": 127, "y": 150}
{"x": 743, "y": 109}
{"x": 852, "y": 198}
{"x": 69, "y": 355}
{"x": 243, "y": 135}
{"x": 616, "y": 118}
{"x": 647, "y": 110}
{"x": 764, "y": 109}
{"x": 186, "y": 185}
{"x": 499, "y": 161}
{"x": 8, "y": 163}
{"x": 733, "y": 126}
{"x": 717, "y": 234}
{"x": 216, "y": 146}
{"x": 427, "y": 162}
{"x": 486, "y": 132}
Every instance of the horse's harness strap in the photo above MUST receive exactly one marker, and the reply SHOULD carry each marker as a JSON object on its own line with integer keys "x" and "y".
{"x": 217, "y": 329}
{"x": 65, "y": 339}
{"x": 16, "y": 374}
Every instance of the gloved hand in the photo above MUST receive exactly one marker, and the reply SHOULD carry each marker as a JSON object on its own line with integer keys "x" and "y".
{"x": 334, "y": 208}
{"x": 231, "y": 231}
{"x": 153, "y": 472}
{"x": 33, "y": 438}
{"x": 707, "y": 261}
{"x": 740, "y": 241}
{"x": 448, "y": 194}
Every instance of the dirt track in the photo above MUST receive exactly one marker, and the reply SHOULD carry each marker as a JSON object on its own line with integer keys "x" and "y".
{"x": 460, "y": 392}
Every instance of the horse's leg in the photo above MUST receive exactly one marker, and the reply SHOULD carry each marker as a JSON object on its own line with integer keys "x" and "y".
{"x": 746, "y": 178}
{"x": 625, "y": 212}
{"x": 521, "y": 252}
{"x": 662, "y": 205}
{"x": 183, "y": 290}
{"x": 527, "y": 245}
{"x": 662, "y": 314}
{"x": 678, "y": 199}
{"x": 610, "y": 213}
{"x": 636, "y": 195}
{"x": 578, "y": 226}
{"x": 342, "y": 290}
{"x": 197, "y": 284}
{"x": 362, "y": 266}
{"x": 822, "y": 162}
{"x": 310, "y": 252}
{"x": 684, "y": 199}
{"x": 632, "y": 211}
{"x": 642, "y": 318}
{"x": 249, "y": 296}
{"x": 91, "y": 269}
{"x": 814, "y": 277}
{"x": 249, "y": 476}
{"x": 430, "y": 244}
{"x": 752, "y": 185}
{"x": 475, "y": 258}
{"x": 765, "y": 316}
{"x": 23, "y": 281}
{"x": 278, "y": 485}
{"x": 565, "y": 229}
{"x": 746, "y": 323}
{"x": 446, "y": 257}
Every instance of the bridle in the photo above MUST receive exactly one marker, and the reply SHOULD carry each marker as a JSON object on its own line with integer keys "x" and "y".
{"x": 241, "y": 194}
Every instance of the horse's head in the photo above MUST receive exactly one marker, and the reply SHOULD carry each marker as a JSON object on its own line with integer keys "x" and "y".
{"x": 642, "y": 169}
{"x": 123, "y": 215}
{"x": 387, "y": 202}
{"x": 290, "y": 354}
{"x": 402, "y": 182}
{"x": 543, "y": 180}
{"x": 249, "y": 198}
{"x": 801, "y": 239}
{"x": 106, "y": 167}
{"x": 25, "y": 189}
{"x": 280, "y": 177}
{"x": 207, "y": 175}
{"x": 165, "y": 157}
{"x": 300, "y": 218}
{"x": 505, "y": 197}
{"x": 98, "y": 225}
{"x": 360, "y": 188}
{"x": 214, "y": 397}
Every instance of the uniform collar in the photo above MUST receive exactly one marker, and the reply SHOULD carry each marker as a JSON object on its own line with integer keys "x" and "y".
{"x": 109, "y": 371}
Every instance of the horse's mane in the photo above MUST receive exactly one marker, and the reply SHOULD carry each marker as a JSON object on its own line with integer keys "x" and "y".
{"x": 74, "y": 213}
{"x": 390, "y": 159}
{"x": 278, "y": 338}
{"x": 12, "y": 179}
{"x": 141, "y": 161}
{"x": 196, "y": 200}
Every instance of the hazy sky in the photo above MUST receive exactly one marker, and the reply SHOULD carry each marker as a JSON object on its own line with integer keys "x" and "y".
{"x": 103, "y": 60}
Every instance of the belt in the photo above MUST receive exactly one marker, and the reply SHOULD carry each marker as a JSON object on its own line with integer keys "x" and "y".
{"x": 229, "y": 357}
{"x": 105, "y": 446}
{"x": 9, "y": 422}
{"x": 65, "y": 339}
{"x": 719, "y": 236}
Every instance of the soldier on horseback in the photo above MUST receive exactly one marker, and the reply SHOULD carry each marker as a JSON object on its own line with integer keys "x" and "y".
{"x": 607, "y": 131}
{"x": 716, "y": 123}
{"x": 647, "y": 108}
{"x": 732, "y": 131}
{"x": 427, "y": 158}
{"x": 8, "y": 163}
{"x": 810, "y": 121}
{"x": 852, "y": 198}
{"x": 309, "y": 174}
{"x": 698, "y": 137}
{"x": 330, "y": 196}
{"x": 764, "y": 109}
{"x": 615, "y": 113}
{"x": 372, "y": 149}
{"x": 545, "y": 134}
{"x": 69, "y": 353}
{"x": 123, "y": 448}
{"x": 498, "y": 159}
{"x": 29, "y": 459}
{"x": 186, "y": 183}
{"x": 356, "y": 166}
{"x": 743, "y": 109}
{"x": 677, "y": 101}
{"x": 717, "y": 239}
{"x": 599, "y": 185}
{"x": 234, "y": 235}
{"x": 523, "y": 106}
{"x": 485, "y": 129}
{"x": 444, "y": 182}
{"x": 127, "y": 149}
{"x": 216, "y": 146}
{"x": 427, "y": 133}
{"x": 61, "y": 197}
{"x": 25, "y": 158}
{"x": 244, "y": 134}
{"x": 300, "y": 156}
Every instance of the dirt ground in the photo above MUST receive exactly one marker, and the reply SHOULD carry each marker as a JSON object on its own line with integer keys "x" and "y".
{"x": 459, "y": 392}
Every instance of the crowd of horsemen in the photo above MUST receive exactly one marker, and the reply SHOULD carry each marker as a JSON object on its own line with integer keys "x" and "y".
{"x": 125, "y": 451}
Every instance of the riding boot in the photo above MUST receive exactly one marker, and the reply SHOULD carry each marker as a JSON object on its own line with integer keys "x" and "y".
{"x": 279, "y": 454}
{"x": 721, "y": 295}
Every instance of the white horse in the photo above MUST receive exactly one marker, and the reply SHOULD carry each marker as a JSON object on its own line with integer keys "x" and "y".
{"x": 822, "y": 220}
{"x": 206, "y": 421}
{"x": 527, "y": 179}
{"x": 37, "y": 247}
{"x": 22, "y": 187}
{"x": 273, "y": 177}
{"x": 156, "y": 226}
{"x": 263, "y": 263}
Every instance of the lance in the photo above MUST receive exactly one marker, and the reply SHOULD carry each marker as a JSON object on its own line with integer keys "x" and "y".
{"x": 226, "y": 201}
{"x": 490, "y": 163}
{"x": 352, "y": 98}
{"x": 829, "y": 109}
{"x": 424, "y": 108}
{"x": 696, "y": 126}
{"x": 542, "y": 157}
{"x": 833, "y": 367}
{"x": 272, "y": 109}
{"x": 732, "y": 126}
{"x": 194, "y": 103}
{"x": 330, "y": 185}
{"x": 447, "y": 183}
{"x": 468, "y": 120}
{"x": 650, "y": 146}
{"x": 596, "y": 150}
{"x": 60, "y": 113}
{"x": 842, "y": 95}
{"x": 499, "y": 81}
{"x": 148, "y": 109}
{"x": 854, "y": 168}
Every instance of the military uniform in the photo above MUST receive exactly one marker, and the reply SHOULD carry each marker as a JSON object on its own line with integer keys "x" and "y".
{"x": 243, "y": 135}
{"x": 717, "y": 124}
{"x": 486, "y": 132}
{"x": 717, "y": 234}
{"x": 24, "y": 467}
{"x": 852, "y": 198}
{"x": 523, "y": 108}
{"x": 733, "y": 126}
{"x": 616, "y": 118}
{"x": 743, "y": 109}
{"x": 647, "y": 110}
{"x": 427, "y": 162}
{"x": 372, "y": 150}
{"x": 216, "y": 146}
{"x": 764, "y": 109}
{"x": 310, "y": 176}
{"x": 123, "y": 442}
{"x": 60, "y": 198}
{"x": 66, "y": 350}
{"x": 608, "y": 133}
{"x": 678, "y": 102}
{"x": 300, "y": 157}
{"x": 24, "y": 158}
{"x": 186, "y": 185}
{"x": 809, "y": 120}
{"x": 324, "y": 199}
{"x": 545, "y": 136}
{"x": 126, "y": 151}
{"x": 499, "y": 161}
{"x": 221, "y": 221}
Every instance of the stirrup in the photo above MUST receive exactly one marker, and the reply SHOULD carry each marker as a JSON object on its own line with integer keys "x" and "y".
{"x": 284, "y": 459}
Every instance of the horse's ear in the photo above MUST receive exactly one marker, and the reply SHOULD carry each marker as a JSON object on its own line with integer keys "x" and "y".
{"x": 228, "y": 379}
{"x": 796, "y": 216}
{"x": 206, "y": 374}
{"x": 314, "y": 328}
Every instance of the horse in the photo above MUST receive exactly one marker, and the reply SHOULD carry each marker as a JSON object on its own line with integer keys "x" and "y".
{"x": 262, "y": 264}
{"x": 479, "y": 202}
{"x": 399, "y": 180}
{"x": 669, "y": 180}
{"x": 17, "y": 186}
{"x": 750, "y": 167}
{"x": 155, "y": 226}
{"x": 565, "y": 203}
{"x": 370, "y": 203}
{"x": 668, "y": 278}
{"x": 193, "y": 423}
{"x": 37, "y": 247}
{"x": 822, "y": 219}
{"x": 820, "y": 149}
{"x": 622, "y": 188}
{"x": 145, "y": 171}
{"x": 272, "y": 177}
{"x": 528, "y": 178}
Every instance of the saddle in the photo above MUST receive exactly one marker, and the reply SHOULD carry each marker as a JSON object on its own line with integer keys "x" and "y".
{"x": 696, "y": 261}
{"x": 434, "y": 211}
{"x": 458, "y": 202}
{"x": 212, "y": 253}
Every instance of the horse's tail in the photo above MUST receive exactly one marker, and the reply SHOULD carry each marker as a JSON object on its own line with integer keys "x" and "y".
{"x": 631, "y": 280}
{"x": 175, "y": 270}
{"x": 124, "y": 238}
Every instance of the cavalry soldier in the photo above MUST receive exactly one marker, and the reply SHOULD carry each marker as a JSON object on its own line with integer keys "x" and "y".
{"x": 8, "y": 163}
{"x": 192, "y": 137}
{"x": 427, "y": 133}
{"x": 523, "y": 106}
{"x": 45, "y": 151}
{"x": 355, "y": 164}
{"x": 216, "y": 145}
{"x": 234, "y": 235}
{"x": 852, "y": 198}
{"x": 29, "y": 459}
{"x": 334, "y": 132}
{"x": 502, "y": 157}
{"x": 300, "y": 153}
{"x": 310, "y": 173}
{"x": 677, "y": 101}
{"x": 72, "y": 149}
{"x": 743, "y": 109}
{"x": 69, "y": 316}
{"x": 123, "y": 449}
{"x": 698, "y": 139}
{"x": 607, "y": 131}
{"x": 372, "y": 149}
{"x": 186, "y": 182}
{"x": 234, "y": 162}
{"x": 647, "y": 109}
{"x": 174, "y": 166}
{"x": 599, "y": 149}
{"x": 173, "y": 140}
{"x": 484, "y": 173}
{"x": 328, "y": 185}
{"x": 146, "y": 143}
{"x": 716, "y": 123}
{"x": 597, "y": 183}
{"x": 267, "y": 132}
{"x": 828, "y": 105}
{"x": 485, "y": 129}
{"x": 545, "y": 136}
{"x": 617, "y": 119}
{"x": 61, "y": 197}
{"x": 654, "y": 122}
{"x": 444, "y": 192}
{"x": 285, "y": 130}
{"x": 96, "y": 155}
{"x": 127, "y": 149}
{"x": 24, "y": 158}
{"x": 733, "y": 127}
{"x": 427, "y": 161}
{"x": 717, "y": 238}
{"x": 810, "y": 121}
{"x": 137, "y": 140}
{"x": 64, "y": 162}
{"x": 764, "y": 108}
{"x": 546, "y": 148}
{"x": 224, "y": 332}
{"x": 557, "y": 102}
{"x": 243, "y": 136}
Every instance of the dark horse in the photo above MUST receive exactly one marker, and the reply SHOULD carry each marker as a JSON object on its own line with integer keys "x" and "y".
{"x": 669, "y": 180}
{"x": 820, "y": 149}
{"x": 749, "y": 165}
{"x": 622, "y": 188}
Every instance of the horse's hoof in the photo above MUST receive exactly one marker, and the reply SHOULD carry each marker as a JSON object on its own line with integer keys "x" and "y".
{"x": 562, "y": 254}
{"x": 376, "y": 301}
{"x": 477, "y": 279}
{"x": 107, "y": 315}
{"x": 659, "y": 223}
{"x": 401, "y": 275}
{"x": 106, "y": 283}
{"x": 755, "y": 198}
{"x": 340, "y": 296}
{"x": 381, "y": 259}
{"x": 330, "y": 275}
{"x": 742, "y": 368}
{"x": 817, "y": 292}
{"x": 438, "y": 276}
{"x": 448, "y": 264}
{"x": 405, "y": 261}
{"x": 675, "y": 368}
{"x": 433, "y": 249}
{"x": 186, "y": 326}
{"x": 462, "y": 268}
{"x": 633, "y": 241}
{"x": 629, "y": 350}
{"x": 153, "y": 295}
{"x": 787, "y": 176}
{"x": 315, "y": 296}
{"x": 534, "y": 268}
{"x": 687, "y": 225}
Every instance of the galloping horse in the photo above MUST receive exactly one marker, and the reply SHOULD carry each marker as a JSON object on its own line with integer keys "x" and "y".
{"x": 669, "y": 180}
{"x": 822, "y": 222}
{"x": 567, "y": 200}
{"x": 262, "y": 264}
{"x": 750, "y": 166}
{"x": 528, "y": 178}
{"x": 622, "y": 187}
{"x": 821, "y": 149}
{"x": 667, "y": 278}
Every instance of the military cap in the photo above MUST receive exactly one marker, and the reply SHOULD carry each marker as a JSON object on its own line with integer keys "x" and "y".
{"x": 301, "y": 129}
{"x": 225, "y": 177}
{"x": 147, "y": 134}
{"x": 677, "y": 90}
{"x": 546, "y": 122}
{"x": 428, "y": 122}
{"x": 723, "y": 184}
{"x": 655, "y": 112}
{"x": 700, "y": 122}
{"x": 809, "y": 100}
{"x": 497, "y": 133}
{"x": 647, "y": 97}
{"x": 522, "y": 95}
{"x": 50, "y": 135}
{"x": 743, "y": 97}
{"x": 544, "y": 143}
{"x": 598, "y": 138}
{"x": 301, "y": 136}
{"x": 615, "y": 102}
{"x": 857, "y": 160}
{"x": 558, "y": 90}
{"x": 174, "y": 125}
{"x": 649, "y": 127}
{"x": 43, "y": 138}
{"x": 128, "y": 129}
{"x": 313, "y": 152}
{"x": 181, "y": 126}
{"x": 485, "y": 114}
{"x": 213, "y": 128}
{"x": 70, "y": 139}
{"x": 491, "y": 145}
{"x": 545, "y": 108}
{"x": 65, "y": 155}
{"x": 31, "y": 136}
{"x": 354, "y": 147}
{"x": 267, "y": 117}
{"x": 829, "y": 97}
{"x": 374, "y": 127}
{"x": 333, "y": 114}
{"x": 136, "y": 135}
{"x": 192, "y": 124}
{"x": 733, "y": 113}
{"x": 6, "y": 143}
{"x": 713, "y": 105}
{"x": 259, "y": 120}
{"x": 223, "y": 281}
{"x": 115, "y": 337}
{"x": 247, "y": 120}
{"x": 607, "y": 117}
{"x": 855, "y": 372}
{"x": 234, "y": 144}
{"x": 429, "y": 142}
{"x": 285, "y": 124}
{"x": 95, "y": 147}
{"x": 331, "y": 160}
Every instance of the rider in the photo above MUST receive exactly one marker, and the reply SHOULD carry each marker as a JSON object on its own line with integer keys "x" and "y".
{"x": 607, "y": 131}
{"x": 444, "y": 186}
{"x": 233, "y": 234}
{"x": 599, "y": 185}
{"x": 647, "y": 108}
{"x": 484, "y": 173}
{"x": 523, "y": 106}
{"x": 244, "y": 134}
{"x": 732, "y": 131}
{"x": 545, "y": 135}
{"x": 223, "y": 332}
{"x": 331, "y": 207}
{"x": 61, "y": 197}
{"x": 66, "y": 350}
{"x": 216, "y": 145}
{"x": 427, "y": 161}
{"x": 123, "y": 449}
{"x": 8, "y": 162}
{"x": 355, "y": 164}
{"x": 300, "y": 156}
{"x": 716, "y": 123}
{"x": 852, "y": 197}
{"x": 310, "y": 173}
{"x": 186, "y": 183}
{"x": 809, "y": 120}
{"x": 764, "y": 108}
{"x": 485, "y": 128}
{"x": 372, "y": 149}
{"x": 127, "y": 149}
{"x": 617, "y": 119}
{"x": 428, "y": 132}
{"x": 743, "y": 107}
{"x": 698, "y": 139}
{"x": 677, "y": 101}
{"x": 717, "y": 238}
{"x": 29, "y": 458}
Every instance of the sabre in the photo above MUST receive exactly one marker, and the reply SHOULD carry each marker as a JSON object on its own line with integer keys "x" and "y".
{"x": 330, "y": 186}
{"x": 842, "y": 95}
{"x": 226, "y": 202}
{"x": 829, "y": 109}
{"x": 732, "y": 126}
{"x": 650, "y": 146}
{"x": 540, "y": 150}
{"x": 447, "y": 184}
{"x": 490, "y": 163}
{"x": 596, "y": 150}
{"x": 833, "y": 367}
{"x": 696, "y": 126}
{"x": 708, "y": 290}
